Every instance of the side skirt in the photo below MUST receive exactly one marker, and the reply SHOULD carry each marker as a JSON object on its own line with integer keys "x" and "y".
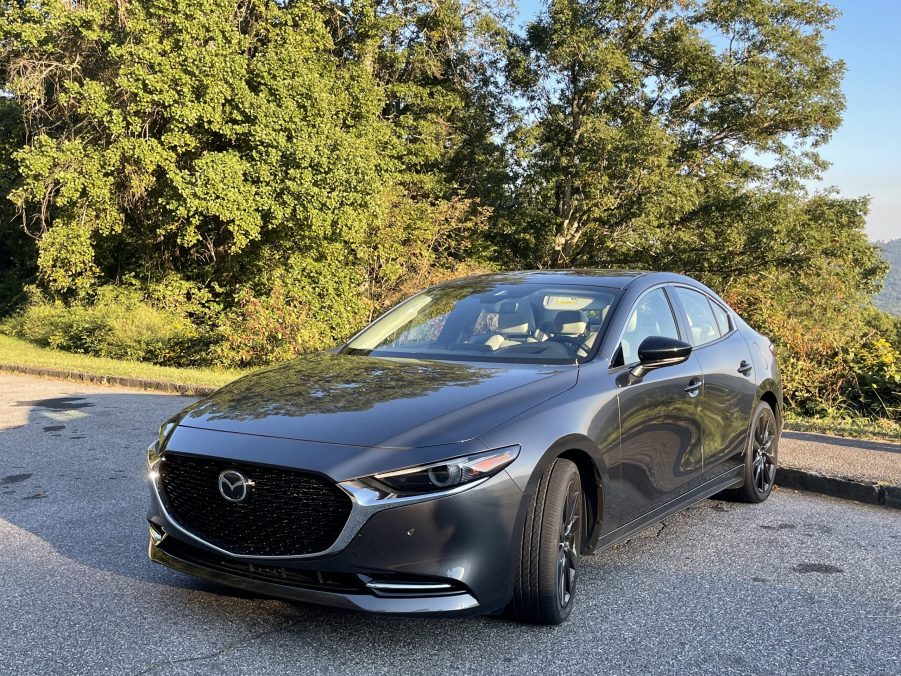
{"x": 731, "y": 479}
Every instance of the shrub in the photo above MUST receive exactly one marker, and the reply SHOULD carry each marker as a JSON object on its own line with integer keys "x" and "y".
{"x": 838, "y": 359}
{"x": 265, "y": 328}
{"x": 116, "y": 323}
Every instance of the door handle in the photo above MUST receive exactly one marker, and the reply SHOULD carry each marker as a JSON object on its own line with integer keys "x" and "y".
{"x": 745, "y": 368}
{"x": 694, "y": 387}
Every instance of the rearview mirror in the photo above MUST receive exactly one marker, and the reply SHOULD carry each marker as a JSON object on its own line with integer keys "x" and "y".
{"x": 658, "y": 351}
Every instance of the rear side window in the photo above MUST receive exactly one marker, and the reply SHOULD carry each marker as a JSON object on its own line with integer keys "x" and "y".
{"x": 704, "y": 327}
{"x": 721, "y": 316}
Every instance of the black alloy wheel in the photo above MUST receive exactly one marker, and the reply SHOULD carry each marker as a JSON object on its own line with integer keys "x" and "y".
{"x": 764, "y": 454}
{"x": 762, "y": 458}
{"x": 568, "y": 558}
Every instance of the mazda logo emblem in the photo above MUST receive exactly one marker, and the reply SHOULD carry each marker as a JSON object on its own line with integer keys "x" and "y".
{"x": 233, "y": 485}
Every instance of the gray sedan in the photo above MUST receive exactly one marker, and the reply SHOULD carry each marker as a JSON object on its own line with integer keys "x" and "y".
{"x": 462, "y": 452}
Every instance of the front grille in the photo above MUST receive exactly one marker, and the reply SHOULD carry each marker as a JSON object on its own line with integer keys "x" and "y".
{"x": 285, "y": 513}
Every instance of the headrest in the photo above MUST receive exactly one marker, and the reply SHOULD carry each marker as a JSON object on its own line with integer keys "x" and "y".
{"x": 632, "y": 323}
{"x": 570, "y": 323}
{"x": 514, "y": 318}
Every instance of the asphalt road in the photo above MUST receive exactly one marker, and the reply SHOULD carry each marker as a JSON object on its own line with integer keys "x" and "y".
{"x": 800, "y": 584}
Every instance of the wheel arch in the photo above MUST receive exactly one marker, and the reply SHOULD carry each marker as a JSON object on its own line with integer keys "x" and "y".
{"x": 585, "y": 455}
{"x": 768, "y": 392}
{"x": 770, "y": 398}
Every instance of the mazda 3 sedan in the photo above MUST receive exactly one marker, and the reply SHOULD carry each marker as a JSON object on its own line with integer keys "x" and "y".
{"x": 463, "y": 452}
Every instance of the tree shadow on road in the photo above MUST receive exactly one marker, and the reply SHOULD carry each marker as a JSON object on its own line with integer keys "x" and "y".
{"x": 72, "y": 470}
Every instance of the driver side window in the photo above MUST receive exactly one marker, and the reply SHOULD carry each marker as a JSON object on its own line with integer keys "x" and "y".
{"x": 651, "y": 316}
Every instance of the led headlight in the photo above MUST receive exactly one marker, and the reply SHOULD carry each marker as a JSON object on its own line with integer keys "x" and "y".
{"x": 156, "y": 448}
{"x": 449, "y": 473}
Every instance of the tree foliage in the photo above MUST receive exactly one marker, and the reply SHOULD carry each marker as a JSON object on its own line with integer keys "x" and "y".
{"x": 644, "y": 114}
{"x": 234, "y": 146}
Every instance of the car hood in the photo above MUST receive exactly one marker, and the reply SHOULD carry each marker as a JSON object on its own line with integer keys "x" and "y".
{"x": 378, "y": 402}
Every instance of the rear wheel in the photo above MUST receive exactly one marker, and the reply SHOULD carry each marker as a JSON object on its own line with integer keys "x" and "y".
{"x": 545, "y": 583}
{"x": 761, "y": 459}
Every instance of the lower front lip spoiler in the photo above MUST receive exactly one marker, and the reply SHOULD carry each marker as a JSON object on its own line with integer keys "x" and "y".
{"x": 453, "y": 604}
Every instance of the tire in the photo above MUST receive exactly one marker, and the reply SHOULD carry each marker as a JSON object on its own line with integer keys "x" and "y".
{"x": 761, "y": 457}
{"x": 548, "y": 571}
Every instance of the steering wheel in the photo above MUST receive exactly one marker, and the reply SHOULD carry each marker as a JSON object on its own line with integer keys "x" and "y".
{"x": 574, "y": 341}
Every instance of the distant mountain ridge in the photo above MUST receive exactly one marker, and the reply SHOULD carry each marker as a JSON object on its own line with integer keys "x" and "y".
{"x": 889, "y": 299}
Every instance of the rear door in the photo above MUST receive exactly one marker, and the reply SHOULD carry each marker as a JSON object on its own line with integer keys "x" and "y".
{"x": 727, "y": 398}
{"x": 660, "y": 432}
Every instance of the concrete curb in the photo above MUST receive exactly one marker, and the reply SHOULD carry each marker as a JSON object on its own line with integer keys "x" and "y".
{"x": 837, "y": 487}
{"x": 122, "y": 381}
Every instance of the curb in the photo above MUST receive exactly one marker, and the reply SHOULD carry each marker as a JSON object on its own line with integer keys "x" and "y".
{"x": 846, "y": 489}
{"x": 122, "y": 381}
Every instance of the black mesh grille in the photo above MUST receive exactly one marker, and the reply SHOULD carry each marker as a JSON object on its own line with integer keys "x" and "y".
{"x": 285, "y": 513}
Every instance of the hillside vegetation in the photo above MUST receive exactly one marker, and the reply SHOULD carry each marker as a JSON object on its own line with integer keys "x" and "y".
{"x": 235, "y": 182}
{"x": 889, "y": 299}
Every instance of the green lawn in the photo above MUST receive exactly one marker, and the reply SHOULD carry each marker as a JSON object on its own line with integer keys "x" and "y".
{"x": 882, "y": 429}
{"x": 17, "y": 352}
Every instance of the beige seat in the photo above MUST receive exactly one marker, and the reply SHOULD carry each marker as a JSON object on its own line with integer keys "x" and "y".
{"x": 515, "y": 325}
{"x": 704, "y": 333}
{"x": 572, "y": 325}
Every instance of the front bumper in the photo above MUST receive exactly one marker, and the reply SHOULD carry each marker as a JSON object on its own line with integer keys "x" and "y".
{"x": 451, "y": 604}
{"x": 459, "y": 547}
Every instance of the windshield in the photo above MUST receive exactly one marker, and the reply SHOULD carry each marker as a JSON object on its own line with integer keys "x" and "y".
{"x": 493, "y": 321}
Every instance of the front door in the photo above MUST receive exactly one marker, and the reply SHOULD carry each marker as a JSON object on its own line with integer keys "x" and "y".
{"x": 729, "y": 389}
{"x": 659, "y": 415}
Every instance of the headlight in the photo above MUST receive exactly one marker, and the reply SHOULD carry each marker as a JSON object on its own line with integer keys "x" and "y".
{"x": 447, "y": 474}
{"x": 156, "y": 448}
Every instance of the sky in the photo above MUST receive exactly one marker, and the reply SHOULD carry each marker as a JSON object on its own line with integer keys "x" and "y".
{"x": 865, "y": 151}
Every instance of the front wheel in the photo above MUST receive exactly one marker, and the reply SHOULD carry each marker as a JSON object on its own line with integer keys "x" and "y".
{"x": 761, "y": 459}
{"x": 545, "y": 582}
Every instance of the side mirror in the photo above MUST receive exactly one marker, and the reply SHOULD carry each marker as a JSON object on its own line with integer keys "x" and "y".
{"x": 657, "y": 351}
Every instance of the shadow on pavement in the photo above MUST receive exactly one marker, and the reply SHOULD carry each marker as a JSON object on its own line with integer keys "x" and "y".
{"x": 72, "y": 473}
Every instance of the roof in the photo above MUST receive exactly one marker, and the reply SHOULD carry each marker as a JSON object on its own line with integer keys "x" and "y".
{"x": 610, "y": 278}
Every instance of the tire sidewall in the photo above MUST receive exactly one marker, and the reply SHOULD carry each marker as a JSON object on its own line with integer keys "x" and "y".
{"x": 562, "y": 472}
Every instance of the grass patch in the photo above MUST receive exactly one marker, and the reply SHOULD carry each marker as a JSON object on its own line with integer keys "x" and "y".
{"x": 15, "y": 352}
{"x": 881, "y": 429}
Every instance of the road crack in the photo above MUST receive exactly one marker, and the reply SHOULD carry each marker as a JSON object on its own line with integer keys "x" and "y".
{"x": 156, "y": 666}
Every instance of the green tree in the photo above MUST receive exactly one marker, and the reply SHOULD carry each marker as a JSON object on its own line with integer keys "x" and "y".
{"x": 307, "y": 163}
{"x": 18, "y": 253}
{"x": 438, "y": 64}
{"x": 642, "y": 112}
{"x": 219, "y": 142}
